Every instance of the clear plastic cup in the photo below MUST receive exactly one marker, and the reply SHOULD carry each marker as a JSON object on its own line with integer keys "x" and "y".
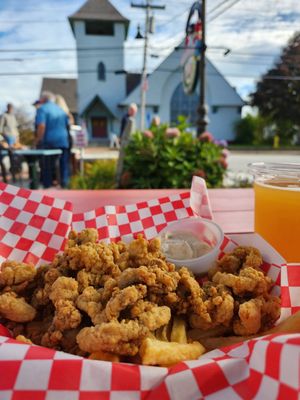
{"x": 277, "y": 206}
{"x": 206, "y": 231}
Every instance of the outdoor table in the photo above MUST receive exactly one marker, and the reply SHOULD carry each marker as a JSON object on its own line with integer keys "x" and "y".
{"x": 233, "y": 209}
{"x": 32, "y": 156}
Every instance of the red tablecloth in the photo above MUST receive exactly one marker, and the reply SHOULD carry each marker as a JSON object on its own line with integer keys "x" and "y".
{"x": 232, "y": 208}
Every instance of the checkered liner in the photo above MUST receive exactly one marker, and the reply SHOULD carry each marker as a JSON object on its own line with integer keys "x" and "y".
{"x": 265, "y": 368}
{"x": 148, "y": 217}
{"x": 33, "y": 227}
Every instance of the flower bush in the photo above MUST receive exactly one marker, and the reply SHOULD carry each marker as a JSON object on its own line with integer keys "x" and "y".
{"x": 170, "y": 157}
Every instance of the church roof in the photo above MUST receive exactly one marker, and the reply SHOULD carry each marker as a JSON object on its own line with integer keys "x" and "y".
{"x": 219, "y": 91}
{"x": 132, "y": 81}
{"x": 65, "y": 87}
{"x": 98, "y": 10}
{"x": 97, "y": 100}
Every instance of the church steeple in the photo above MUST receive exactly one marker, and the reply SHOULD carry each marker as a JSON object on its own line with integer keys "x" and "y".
{"x": 100, "y": 31}
{"x": 98, "y": 10}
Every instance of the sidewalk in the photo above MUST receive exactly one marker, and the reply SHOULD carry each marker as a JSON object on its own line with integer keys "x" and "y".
{"x": 100, "y": 153}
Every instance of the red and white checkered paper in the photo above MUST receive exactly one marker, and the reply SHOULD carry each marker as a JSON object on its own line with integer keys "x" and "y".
{"x": 265, "y": 368}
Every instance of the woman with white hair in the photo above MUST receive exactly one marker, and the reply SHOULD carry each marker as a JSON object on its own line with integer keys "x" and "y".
{"x": 61, "y": 102}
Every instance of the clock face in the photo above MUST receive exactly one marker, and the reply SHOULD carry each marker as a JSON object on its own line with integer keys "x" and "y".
{"x": 190, "y": 74}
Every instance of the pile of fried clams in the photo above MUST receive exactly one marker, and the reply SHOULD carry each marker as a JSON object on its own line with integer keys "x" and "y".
{"x": 111, "y": 297}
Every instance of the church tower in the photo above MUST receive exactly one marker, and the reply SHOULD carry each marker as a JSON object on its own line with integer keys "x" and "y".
{"x": 100, "y": 31}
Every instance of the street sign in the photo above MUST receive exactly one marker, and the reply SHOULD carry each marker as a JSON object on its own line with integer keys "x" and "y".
{"x": 79, "y": 136}
{"x": 194, "y": 47}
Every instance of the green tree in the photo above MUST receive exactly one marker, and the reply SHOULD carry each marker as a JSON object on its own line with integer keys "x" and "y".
{"x": 250, "y": 130}
{"x": 278, "y": 92}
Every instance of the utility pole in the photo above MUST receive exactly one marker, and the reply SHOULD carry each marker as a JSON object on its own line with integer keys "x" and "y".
{"x": 202, "y": 111}
{"x": 147, "y": 7}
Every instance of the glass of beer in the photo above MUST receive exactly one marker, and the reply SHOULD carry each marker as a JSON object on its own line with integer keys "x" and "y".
{"x": 277, "y": 206}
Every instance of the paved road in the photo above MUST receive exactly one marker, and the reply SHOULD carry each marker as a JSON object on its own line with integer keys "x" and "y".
{"x": 238, "y": 161}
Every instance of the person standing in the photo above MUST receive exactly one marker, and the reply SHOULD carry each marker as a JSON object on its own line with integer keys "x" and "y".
{"x": 128, "y": 127}
{"x": 52, "y": 133}
{"x": 10, "y": 133}
{"x": 9, "y": 126}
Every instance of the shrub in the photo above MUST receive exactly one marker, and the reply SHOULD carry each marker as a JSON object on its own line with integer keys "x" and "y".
{"x": 97, "y": 175}
{"x": 169, "y": 160}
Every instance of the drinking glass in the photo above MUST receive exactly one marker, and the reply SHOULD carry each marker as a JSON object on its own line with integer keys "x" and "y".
{"x": 277, "y": 206}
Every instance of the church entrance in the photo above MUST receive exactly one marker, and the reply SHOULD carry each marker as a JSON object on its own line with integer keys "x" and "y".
{"x": 99, "y": 127}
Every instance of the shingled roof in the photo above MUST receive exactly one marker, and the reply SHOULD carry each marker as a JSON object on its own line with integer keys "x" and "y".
{"x": 98, "y": 10}
{"x": 65, "y": 87}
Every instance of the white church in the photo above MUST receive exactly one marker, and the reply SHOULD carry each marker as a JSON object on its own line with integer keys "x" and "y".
{"x": 101, "y": 94}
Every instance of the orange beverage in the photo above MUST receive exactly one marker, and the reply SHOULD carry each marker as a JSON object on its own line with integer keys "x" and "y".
{"x": 277, "y": 207}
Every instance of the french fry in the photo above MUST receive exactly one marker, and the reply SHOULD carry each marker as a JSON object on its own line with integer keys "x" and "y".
{"x": 163, "y": 333}
{"x": 199, "y": 334}
{"x": 104, "y": 356}
{"x": 23, "y": 339}
{"x": 178, "y": 333}
{"x": 157, "y": 352}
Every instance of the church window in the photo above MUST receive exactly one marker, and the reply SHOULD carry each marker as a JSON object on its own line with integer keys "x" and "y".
{"x": 101, "y": 72}
{"x": 183, "y": 104}
{"x": 100, "y": 28}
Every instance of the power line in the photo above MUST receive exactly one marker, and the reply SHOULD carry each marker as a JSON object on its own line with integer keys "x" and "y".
{"x": 174, "y": 17}
{"x": 126, "y": 48}
{"x": 217, "y": 6}
{"x": 223, "y": 10}
{"x": 55, "y": 21}
{"x": 177, "y": 70}
{"x": 51, "y": 50}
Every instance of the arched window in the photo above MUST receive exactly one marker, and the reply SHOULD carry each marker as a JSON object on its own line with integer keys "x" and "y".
{"x": 101, "y": 72}
{"x": 183, "y": 104}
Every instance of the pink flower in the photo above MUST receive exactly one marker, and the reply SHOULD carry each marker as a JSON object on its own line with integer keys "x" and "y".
{"x": 148, "y": 134}
{"x": 206, "y": 137}
{"x": 223, "y": 162}
{"x": 225, "y": 153}
{"x": 172, "y": 132}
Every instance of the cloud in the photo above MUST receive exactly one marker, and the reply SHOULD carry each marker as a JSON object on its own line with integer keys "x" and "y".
{"x": 254, "y": 37}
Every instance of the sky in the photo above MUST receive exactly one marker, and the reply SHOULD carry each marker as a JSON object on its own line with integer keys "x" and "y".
{"x": 255, "y": 32}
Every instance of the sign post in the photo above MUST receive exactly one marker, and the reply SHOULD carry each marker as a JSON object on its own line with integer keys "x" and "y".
{"x": 79, "y": 134}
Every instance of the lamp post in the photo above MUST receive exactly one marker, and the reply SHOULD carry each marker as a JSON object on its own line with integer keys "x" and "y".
{"x": 202, "y": 109}
{"x": 194, "y": 60}
{"x": 147, "y": 7}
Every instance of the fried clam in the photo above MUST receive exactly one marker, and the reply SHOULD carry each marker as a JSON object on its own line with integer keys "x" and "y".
{"x": 115, "y": 337}
{"x": 126, "y": 302}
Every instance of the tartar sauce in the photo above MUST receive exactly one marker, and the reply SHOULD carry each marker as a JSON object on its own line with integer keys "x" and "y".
{"x": 181, "y": 245}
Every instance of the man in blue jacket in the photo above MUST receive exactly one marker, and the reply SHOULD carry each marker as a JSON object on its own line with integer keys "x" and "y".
{"x": 52, "y": 133}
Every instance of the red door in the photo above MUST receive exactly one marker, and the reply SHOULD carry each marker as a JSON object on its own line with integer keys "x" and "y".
{"x": 99, "y": 127}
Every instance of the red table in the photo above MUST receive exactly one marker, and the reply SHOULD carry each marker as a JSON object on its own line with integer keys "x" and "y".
{"x": 232, "y": 208}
